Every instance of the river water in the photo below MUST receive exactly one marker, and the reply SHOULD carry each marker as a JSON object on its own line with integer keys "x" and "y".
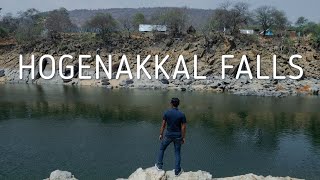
{"x": 101, "y": 134}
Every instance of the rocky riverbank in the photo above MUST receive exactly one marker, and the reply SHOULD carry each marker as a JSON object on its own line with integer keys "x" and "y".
{"x": 208, "y": 48}
{"x": 242, "y": 86}
{"x": 153, "y": 174}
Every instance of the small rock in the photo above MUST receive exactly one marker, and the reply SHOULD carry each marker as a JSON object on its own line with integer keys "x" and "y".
{"x": 164, "y": 81}
{"x": 315, "y": 91}
{"x": 201, "y": 53}
{"x": 104, "y": 80}
{"x": 105, "y": 83}
{"x": 168, "y": 42}
{"x": 2, "y": 73}
{"x": 188, "y": 81}
{"x": 215, "y": 85}
{"x": 206, "y": 72}
{"x": 66, "y": 80}
{"x": 186, "y": 47}
{"x": 61, "y": 175}
{"x": 129, "y": 81}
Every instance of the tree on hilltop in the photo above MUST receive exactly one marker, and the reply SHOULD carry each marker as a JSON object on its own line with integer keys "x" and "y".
{"x": 269, "y": 17}
{"x": 58, "y": 21}
{"x": 138, "y": 19}
{"x": 104, "y": 23}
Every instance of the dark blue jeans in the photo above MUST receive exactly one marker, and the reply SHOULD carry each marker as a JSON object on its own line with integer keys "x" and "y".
{"x": 177, "y": 149}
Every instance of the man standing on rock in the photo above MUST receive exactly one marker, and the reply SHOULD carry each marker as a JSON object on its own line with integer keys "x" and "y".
{"x": 175, "y": 121}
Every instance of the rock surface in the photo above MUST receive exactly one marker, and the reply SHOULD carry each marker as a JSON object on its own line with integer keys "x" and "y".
{"x": 255, "y": 177}
{"x": 153, "y": 174}
{"x": 61, "y": 175}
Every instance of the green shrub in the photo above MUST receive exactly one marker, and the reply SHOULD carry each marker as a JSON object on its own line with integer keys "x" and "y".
{"x": 3, "y": 33}
{"x": 316, "y": 37}
{"x": 28, "y": 33}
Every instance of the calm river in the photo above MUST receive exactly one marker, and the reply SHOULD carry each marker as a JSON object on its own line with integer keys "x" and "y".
{"x": 101, "y": 134}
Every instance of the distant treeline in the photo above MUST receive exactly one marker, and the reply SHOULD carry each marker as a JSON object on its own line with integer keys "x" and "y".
{"x": 228, "y": 17}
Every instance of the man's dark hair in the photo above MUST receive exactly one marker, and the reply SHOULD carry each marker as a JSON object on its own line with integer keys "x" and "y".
{"x": 175, "y": 102}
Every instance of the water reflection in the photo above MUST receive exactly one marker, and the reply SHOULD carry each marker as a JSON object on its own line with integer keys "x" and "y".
{"x": 245, "y": 134}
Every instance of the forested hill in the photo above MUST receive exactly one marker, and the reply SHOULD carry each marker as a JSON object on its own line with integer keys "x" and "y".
{"x": 197, "y": 17}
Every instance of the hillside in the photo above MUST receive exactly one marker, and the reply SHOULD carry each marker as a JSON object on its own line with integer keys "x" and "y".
{"x": 209, "y": 62}
{"x": 197, "y": 17}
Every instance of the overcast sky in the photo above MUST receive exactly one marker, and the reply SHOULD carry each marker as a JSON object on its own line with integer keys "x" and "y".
{"x": 293, "y": 8}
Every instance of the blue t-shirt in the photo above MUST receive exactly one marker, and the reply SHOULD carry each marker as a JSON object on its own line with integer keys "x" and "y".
{"x": 174, "y": 119}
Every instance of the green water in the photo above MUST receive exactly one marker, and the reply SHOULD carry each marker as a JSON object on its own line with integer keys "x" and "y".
{"x": 101, "y": 134}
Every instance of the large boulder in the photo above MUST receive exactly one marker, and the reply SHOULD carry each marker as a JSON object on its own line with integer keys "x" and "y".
{"x": 61, "y": 175}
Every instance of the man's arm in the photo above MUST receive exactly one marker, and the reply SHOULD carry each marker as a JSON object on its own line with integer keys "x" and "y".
{"x": 183, "y": 131}
{"x": 163, "y": 126}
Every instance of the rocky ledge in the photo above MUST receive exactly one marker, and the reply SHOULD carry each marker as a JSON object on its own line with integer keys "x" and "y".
{"x": 153, "y": 174}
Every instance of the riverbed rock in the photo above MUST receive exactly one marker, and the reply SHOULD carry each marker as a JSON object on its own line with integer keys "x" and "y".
{"x": 153, "y": 174}
{"x": 164, "y": 81}
{"x": 315, "y": 90}
{"x": 209, "y": 48}
{"x": 105, "y": 82}
{"x": 1, "y": 72}
{"x": 255, "y": 177}
{"x": 149, "y": 173}
{"x": 61, "y": 175}
{"x": 126, "y": 82}
{"x": 199, "y": 175}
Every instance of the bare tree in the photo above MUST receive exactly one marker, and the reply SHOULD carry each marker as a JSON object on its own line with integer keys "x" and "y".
{"x": 280, "y": 20}
{"x": 230, "y": 16}
{"x": 58, "y": 21}
{"x": 238, "y": 16}
{"x": 126, "y": 24}
{"x": 264, "y": 17}
{"x": 270, "y": 17}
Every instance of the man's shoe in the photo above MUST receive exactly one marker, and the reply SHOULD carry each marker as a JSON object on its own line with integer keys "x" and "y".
{"x": 179, "y": 173}
{"x": 156, "y": 166}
